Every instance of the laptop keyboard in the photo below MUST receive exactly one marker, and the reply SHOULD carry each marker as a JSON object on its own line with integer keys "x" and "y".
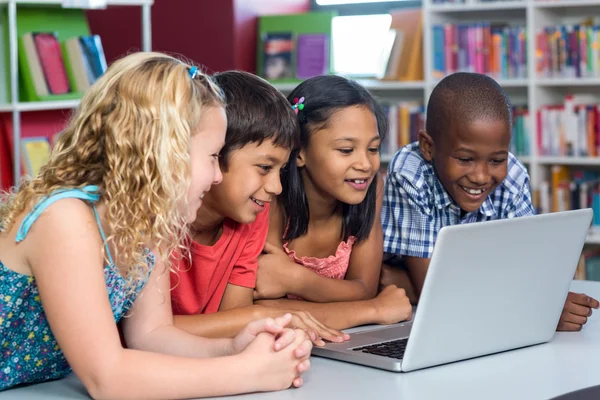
{"x": 394, "y": 349}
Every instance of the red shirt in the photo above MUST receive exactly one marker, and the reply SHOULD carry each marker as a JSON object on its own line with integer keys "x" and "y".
{"x": 199, "y": 288}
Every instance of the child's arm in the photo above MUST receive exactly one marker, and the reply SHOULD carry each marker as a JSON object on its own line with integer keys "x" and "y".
{"x": 278, "y": 275}
{"x": 68, "y": 268}
{"x": 237, "y": 311}
{"x": 417, "y": 270}
{"x": 390, "y": 306}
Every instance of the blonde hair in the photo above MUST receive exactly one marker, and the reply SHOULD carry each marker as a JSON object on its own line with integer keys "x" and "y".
{"x": 130, "y": 136}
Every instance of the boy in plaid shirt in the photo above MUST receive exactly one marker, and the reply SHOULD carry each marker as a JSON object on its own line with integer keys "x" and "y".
{"x": 460, "y": 171}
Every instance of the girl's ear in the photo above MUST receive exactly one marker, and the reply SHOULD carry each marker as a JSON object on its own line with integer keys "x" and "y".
{"x": 300, "y": 159}
{"x": 426, "y": 146}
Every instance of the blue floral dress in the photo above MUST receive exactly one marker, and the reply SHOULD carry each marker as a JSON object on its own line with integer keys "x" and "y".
{"x": 29, "y": 352}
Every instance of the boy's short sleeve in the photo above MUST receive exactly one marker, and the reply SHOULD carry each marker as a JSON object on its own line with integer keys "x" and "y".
{"x": 244, "y": 270}
{"x": 408, "y": 227}
{"x": 521, "y": 206}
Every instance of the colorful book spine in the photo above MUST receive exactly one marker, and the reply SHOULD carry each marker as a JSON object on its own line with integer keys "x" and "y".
{"x": 569, "y": 129}
{"x": 496, "y": 50}
{"x": 568, "y": 51}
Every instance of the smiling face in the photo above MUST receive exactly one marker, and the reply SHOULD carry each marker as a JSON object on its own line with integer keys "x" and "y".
{"x": 470, "y": 159}
{"x": 251, "y": 180}
{"x": 341, "y": 160}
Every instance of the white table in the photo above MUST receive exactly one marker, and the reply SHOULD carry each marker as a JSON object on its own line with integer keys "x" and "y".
{"x": 571, "y": 361}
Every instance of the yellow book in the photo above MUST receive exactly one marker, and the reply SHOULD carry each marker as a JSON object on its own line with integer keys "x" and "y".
{"x": 35, "y": 152}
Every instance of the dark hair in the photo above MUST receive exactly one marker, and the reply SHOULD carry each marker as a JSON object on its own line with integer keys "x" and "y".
{"x": 323, "y": 97}
{"x": 256, "y": 111}
{"x": 467, "y": 97}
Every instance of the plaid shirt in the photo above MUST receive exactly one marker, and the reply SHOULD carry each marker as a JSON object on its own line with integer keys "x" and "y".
{"x": 416, "y": 205}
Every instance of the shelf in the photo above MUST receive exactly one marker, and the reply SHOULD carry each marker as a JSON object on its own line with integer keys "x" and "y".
{"x": 524, "y": 159}
{"x": 474, "y": 7}
{"x": 60, "y": 2}
{"x": 593, "y": 237}
{"x": 566, "y": 82}
{"x": 40, "y": 106}
{"x": 565, "y": 3}
{"x": 386, "y": 158}
{"x": 565, "y": 160}
{"x": 507, "y": 83}
{"x": 371, "y": 84}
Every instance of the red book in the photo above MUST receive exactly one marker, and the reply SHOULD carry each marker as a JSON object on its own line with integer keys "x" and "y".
{"x": 52, "y": 62}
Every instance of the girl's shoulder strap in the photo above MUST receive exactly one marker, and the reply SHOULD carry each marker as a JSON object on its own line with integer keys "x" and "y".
{"x": 89, "y": 193}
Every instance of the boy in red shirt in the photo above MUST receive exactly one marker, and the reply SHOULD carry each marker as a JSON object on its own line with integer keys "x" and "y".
{"x": 231, "y": 226}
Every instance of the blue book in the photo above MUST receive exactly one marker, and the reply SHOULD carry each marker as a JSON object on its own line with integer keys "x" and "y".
{"x": 92, "y": 48}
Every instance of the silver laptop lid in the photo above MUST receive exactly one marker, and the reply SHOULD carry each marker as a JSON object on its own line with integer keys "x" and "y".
{"x": 495, "y": 286}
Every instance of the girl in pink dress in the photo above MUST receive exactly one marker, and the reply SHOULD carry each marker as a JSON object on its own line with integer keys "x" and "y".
{"x": 325, "y": 236}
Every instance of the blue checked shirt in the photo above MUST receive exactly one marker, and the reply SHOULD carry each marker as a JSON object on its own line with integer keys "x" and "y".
{"x": 416, "y": 205}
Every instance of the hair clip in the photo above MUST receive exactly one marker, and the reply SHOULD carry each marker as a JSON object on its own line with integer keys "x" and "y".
{"x": 193, "y": 71}
{"x": 298, "y": 104}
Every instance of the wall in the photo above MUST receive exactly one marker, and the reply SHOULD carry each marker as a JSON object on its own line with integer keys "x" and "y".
{"x": 222, "y": 39}
{"x": 246, "y": 25}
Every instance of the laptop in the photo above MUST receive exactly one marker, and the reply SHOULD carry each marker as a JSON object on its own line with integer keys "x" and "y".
{"x": 491, "y": 286}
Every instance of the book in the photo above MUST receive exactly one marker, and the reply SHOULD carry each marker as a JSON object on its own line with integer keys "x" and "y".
{"x": 35, "y": 152}
{"x": 4, "y": 76}
{"x": 278, "y": 49}
{"x": 94, "y": 52}
{"x": 312, "y": 55}
{"x": 78, "y": 65}
{"x": 53, "y": 66}
{"x": 406, "y": 60}
{"x": 387, "y": 51}
{"x": 32, "y": 58}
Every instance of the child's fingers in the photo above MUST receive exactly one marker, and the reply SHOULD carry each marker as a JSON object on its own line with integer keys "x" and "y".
{"x": 308, "y": 321}
{"x": 575, "y": 319}
{"x": 334, "y": 334}
{"x": 264, "y": 325}
{"x": 285, "y": 339}
{"x": 297, "y": 382}
{"x": 577, "y": 309}
{"x": 284, "y": 320}
{"x": 304, "y": 349}
{"x": 583, "y": 300}
{"x": 303, "y": 366}
{"x": 568, "y": 326}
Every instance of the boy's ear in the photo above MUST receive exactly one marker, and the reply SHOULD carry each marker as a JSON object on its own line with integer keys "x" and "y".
{"x": 300, "y": 159}
{"x": 426, "y": 145}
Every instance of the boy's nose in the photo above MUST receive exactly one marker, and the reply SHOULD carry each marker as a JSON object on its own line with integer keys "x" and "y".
{"x": 480, "y": 175}
{"x": 273, "y": 185}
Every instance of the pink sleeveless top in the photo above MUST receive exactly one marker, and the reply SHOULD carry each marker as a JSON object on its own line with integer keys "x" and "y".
{"x": 334, "y": 266}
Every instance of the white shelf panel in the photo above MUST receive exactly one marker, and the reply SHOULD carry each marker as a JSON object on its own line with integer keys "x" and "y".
{"x": 59, "y": 2}
{"x": 549, "y": 160}
{"x": 565, "y": 3}
{"x": 474, "y": 7}
{"x": 593, "y": 237}
{"x": 507, "y": 83}
{"x": 371, "y": 84}
{"x": 524, "y": 159}
{"x": 386, "y": 158}
{"x": 567, "y": 82}
{"x": 40, "y": 106}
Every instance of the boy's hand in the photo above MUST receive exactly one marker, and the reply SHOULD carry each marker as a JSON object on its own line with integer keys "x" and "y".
{"x": 576, "y": 311}
{"x": 392, "y": 305}
{"x": 276, "y": 327}
{"x": 316, "y": 330}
